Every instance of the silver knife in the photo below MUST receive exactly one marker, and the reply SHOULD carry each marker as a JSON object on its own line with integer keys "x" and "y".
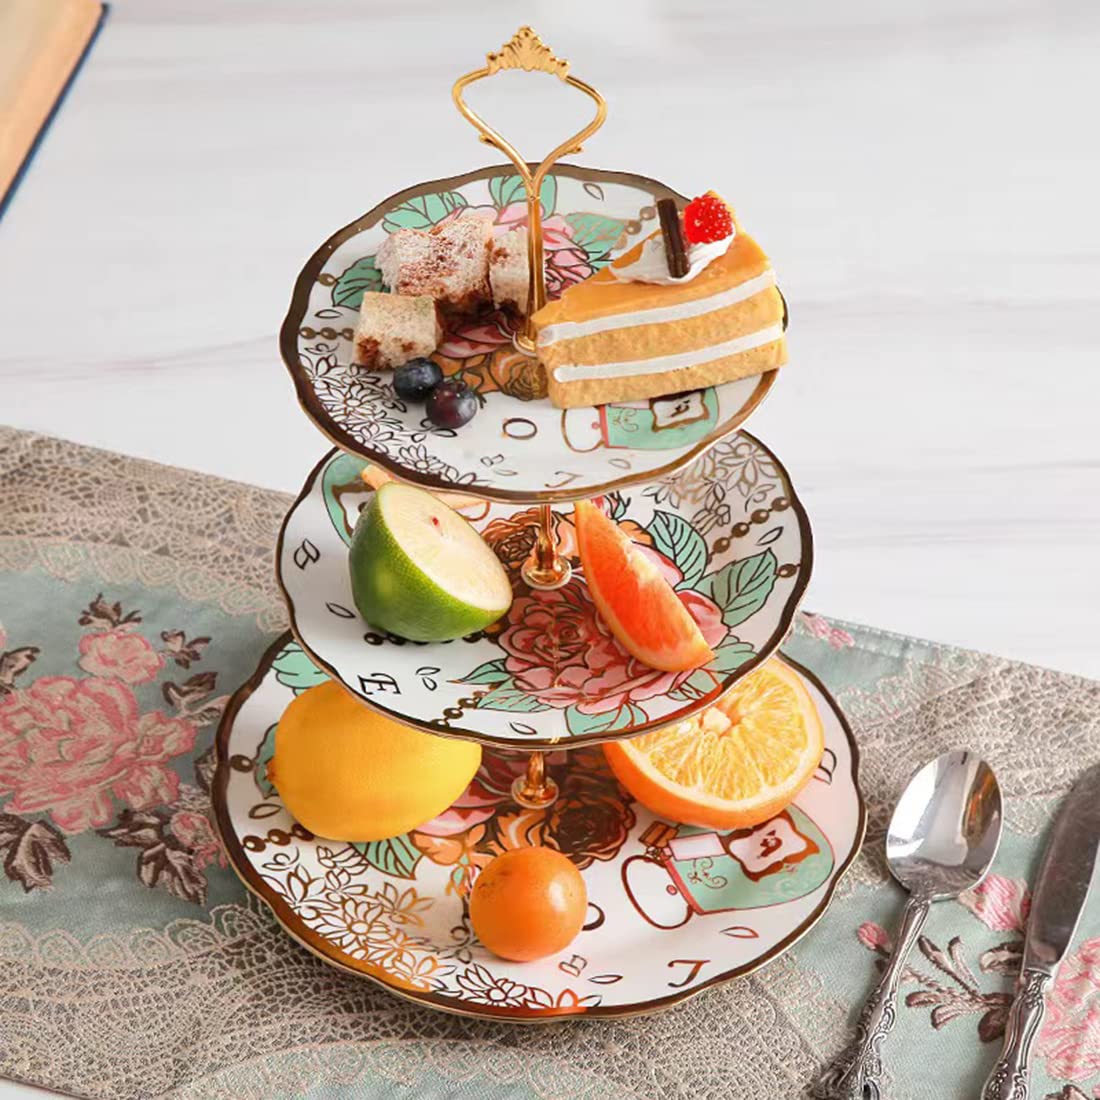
{"x": 1056, "y": 906}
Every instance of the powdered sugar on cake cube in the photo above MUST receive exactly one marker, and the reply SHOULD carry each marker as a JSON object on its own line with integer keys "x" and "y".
{"x": 394, "y": 328}
{"x": 449, "y": 263}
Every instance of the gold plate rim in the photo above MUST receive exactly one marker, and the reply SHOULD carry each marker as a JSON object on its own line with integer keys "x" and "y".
{"x": 534, "y": 744}
{"x": 335, "y": 434}
{"x": 324, "y": 949}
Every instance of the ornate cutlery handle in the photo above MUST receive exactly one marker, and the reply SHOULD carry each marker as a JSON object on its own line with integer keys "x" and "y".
{"x": 1010, "y": 1076}
{"x": 856, "y": 1073}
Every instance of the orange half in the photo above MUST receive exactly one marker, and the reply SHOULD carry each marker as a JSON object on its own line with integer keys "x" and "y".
{"x": 639, "y": 606}
{"x": 736, "y": 764}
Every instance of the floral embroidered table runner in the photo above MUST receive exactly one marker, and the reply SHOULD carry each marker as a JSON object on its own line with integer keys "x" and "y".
{"x": 134, "y": 598}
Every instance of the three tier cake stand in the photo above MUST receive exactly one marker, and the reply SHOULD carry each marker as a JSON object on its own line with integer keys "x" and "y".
{"x": 672, "y": 909}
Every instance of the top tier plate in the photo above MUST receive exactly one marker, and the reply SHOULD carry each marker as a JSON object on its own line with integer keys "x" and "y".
{"x": 519, "y": 447}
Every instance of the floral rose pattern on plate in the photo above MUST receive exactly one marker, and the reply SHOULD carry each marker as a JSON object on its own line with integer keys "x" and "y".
{"x": 590, "y": 821}
{"x": 585, "y": 220}
{"x": 560, "y": 654}
{"x": 79, "y": 754}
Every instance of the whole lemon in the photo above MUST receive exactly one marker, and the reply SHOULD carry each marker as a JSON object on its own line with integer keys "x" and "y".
{"x": 347, "y": 772}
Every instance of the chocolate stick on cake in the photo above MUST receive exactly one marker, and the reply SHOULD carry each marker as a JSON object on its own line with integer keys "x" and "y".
{"x": 673, "y": 237}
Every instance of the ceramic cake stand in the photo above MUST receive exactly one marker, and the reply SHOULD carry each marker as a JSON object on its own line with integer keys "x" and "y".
{"x": 720, "y": 518}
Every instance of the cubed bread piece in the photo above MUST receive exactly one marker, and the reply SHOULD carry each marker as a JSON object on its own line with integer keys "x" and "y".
{"x": 450, "y": 263}
{"x": 509, "y": 274}
{"x": 394, "y": 328}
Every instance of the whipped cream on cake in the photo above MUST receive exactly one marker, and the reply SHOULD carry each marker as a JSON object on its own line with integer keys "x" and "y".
{"x": 449, "y": 263}
{"x": 652, "y": 265}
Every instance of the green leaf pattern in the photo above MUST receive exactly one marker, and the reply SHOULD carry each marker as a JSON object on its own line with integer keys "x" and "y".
{"x": 625, "y": 716}
{"x": 397, "y": 856}
{"x": 506, "y": 696}
{"x": 492, "y": 672}
{"x": 293, "y": 669}
{"x": 617, "y": 505}
{"x": 263, "y": 757}
{"x": 727, "y": 657}
{"x": 743, "y": 587}
{"x": 507, "y": 190}
{"x": 681, "y": 544}
{"x": 596, "y": 234}
{"x": 733, "y": 653}
{"x": 363, "y": 275}
{"x": 423, "y": 211}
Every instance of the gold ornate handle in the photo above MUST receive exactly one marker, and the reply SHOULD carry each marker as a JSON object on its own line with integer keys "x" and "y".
{"x": 526, "y": 51}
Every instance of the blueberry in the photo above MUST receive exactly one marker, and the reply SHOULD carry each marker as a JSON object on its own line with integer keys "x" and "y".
{"x": 415, "y": 380}
{"x": 451, "y": 404}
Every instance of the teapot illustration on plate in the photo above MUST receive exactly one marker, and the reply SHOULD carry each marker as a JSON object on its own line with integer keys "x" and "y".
{"x": 687, "y": 870}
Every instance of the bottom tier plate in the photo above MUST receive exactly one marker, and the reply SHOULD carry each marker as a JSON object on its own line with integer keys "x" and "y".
{"x": 672, "y": 909}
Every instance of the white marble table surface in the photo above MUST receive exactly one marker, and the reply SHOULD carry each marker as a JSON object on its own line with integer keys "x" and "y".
{"x": 922, "y": 174}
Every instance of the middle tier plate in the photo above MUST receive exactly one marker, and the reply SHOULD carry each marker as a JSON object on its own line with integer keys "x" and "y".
{"x": 734, "y": 540}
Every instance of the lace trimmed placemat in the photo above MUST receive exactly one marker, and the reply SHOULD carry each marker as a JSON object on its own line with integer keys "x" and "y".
{"x": 134, "y": 598}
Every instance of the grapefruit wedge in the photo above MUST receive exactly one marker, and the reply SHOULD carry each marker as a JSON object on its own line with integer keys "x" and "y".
{"x": 639, "y": 606}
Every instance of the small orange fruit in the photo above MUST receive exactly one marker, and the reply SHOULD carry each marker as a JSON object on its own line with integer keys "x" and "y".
{"x": 735, "y": 765}
{"x": 528, "y": 903}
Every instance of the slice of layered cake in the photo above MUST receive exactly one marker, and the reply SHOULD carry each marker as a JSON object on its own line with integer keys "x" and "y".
{"x": 449, "y": 263}
{"x": 691, "y": 306}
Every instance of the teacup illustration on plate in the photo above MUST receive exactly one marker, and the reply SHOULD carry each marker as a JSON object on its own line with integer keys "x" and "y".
{"x": 660, "y": 424}
{"x": 688, "y": 870}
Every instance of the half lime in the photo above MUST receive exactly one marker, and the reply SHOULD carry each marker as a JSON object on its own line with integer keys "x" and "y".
{"x": 420, "y": 571}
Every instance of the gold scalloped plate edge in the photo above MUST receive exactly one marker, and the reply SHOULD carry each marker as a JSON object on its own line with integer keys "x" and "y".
{"x": 777, "y": 638}
{"x": 335, "y": 434}
{"x": 325, "y": 950}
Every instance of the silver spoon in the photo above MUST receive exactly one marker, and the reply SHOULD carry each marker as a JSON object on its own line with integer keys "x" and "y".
{"x": 941, "y": 841}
